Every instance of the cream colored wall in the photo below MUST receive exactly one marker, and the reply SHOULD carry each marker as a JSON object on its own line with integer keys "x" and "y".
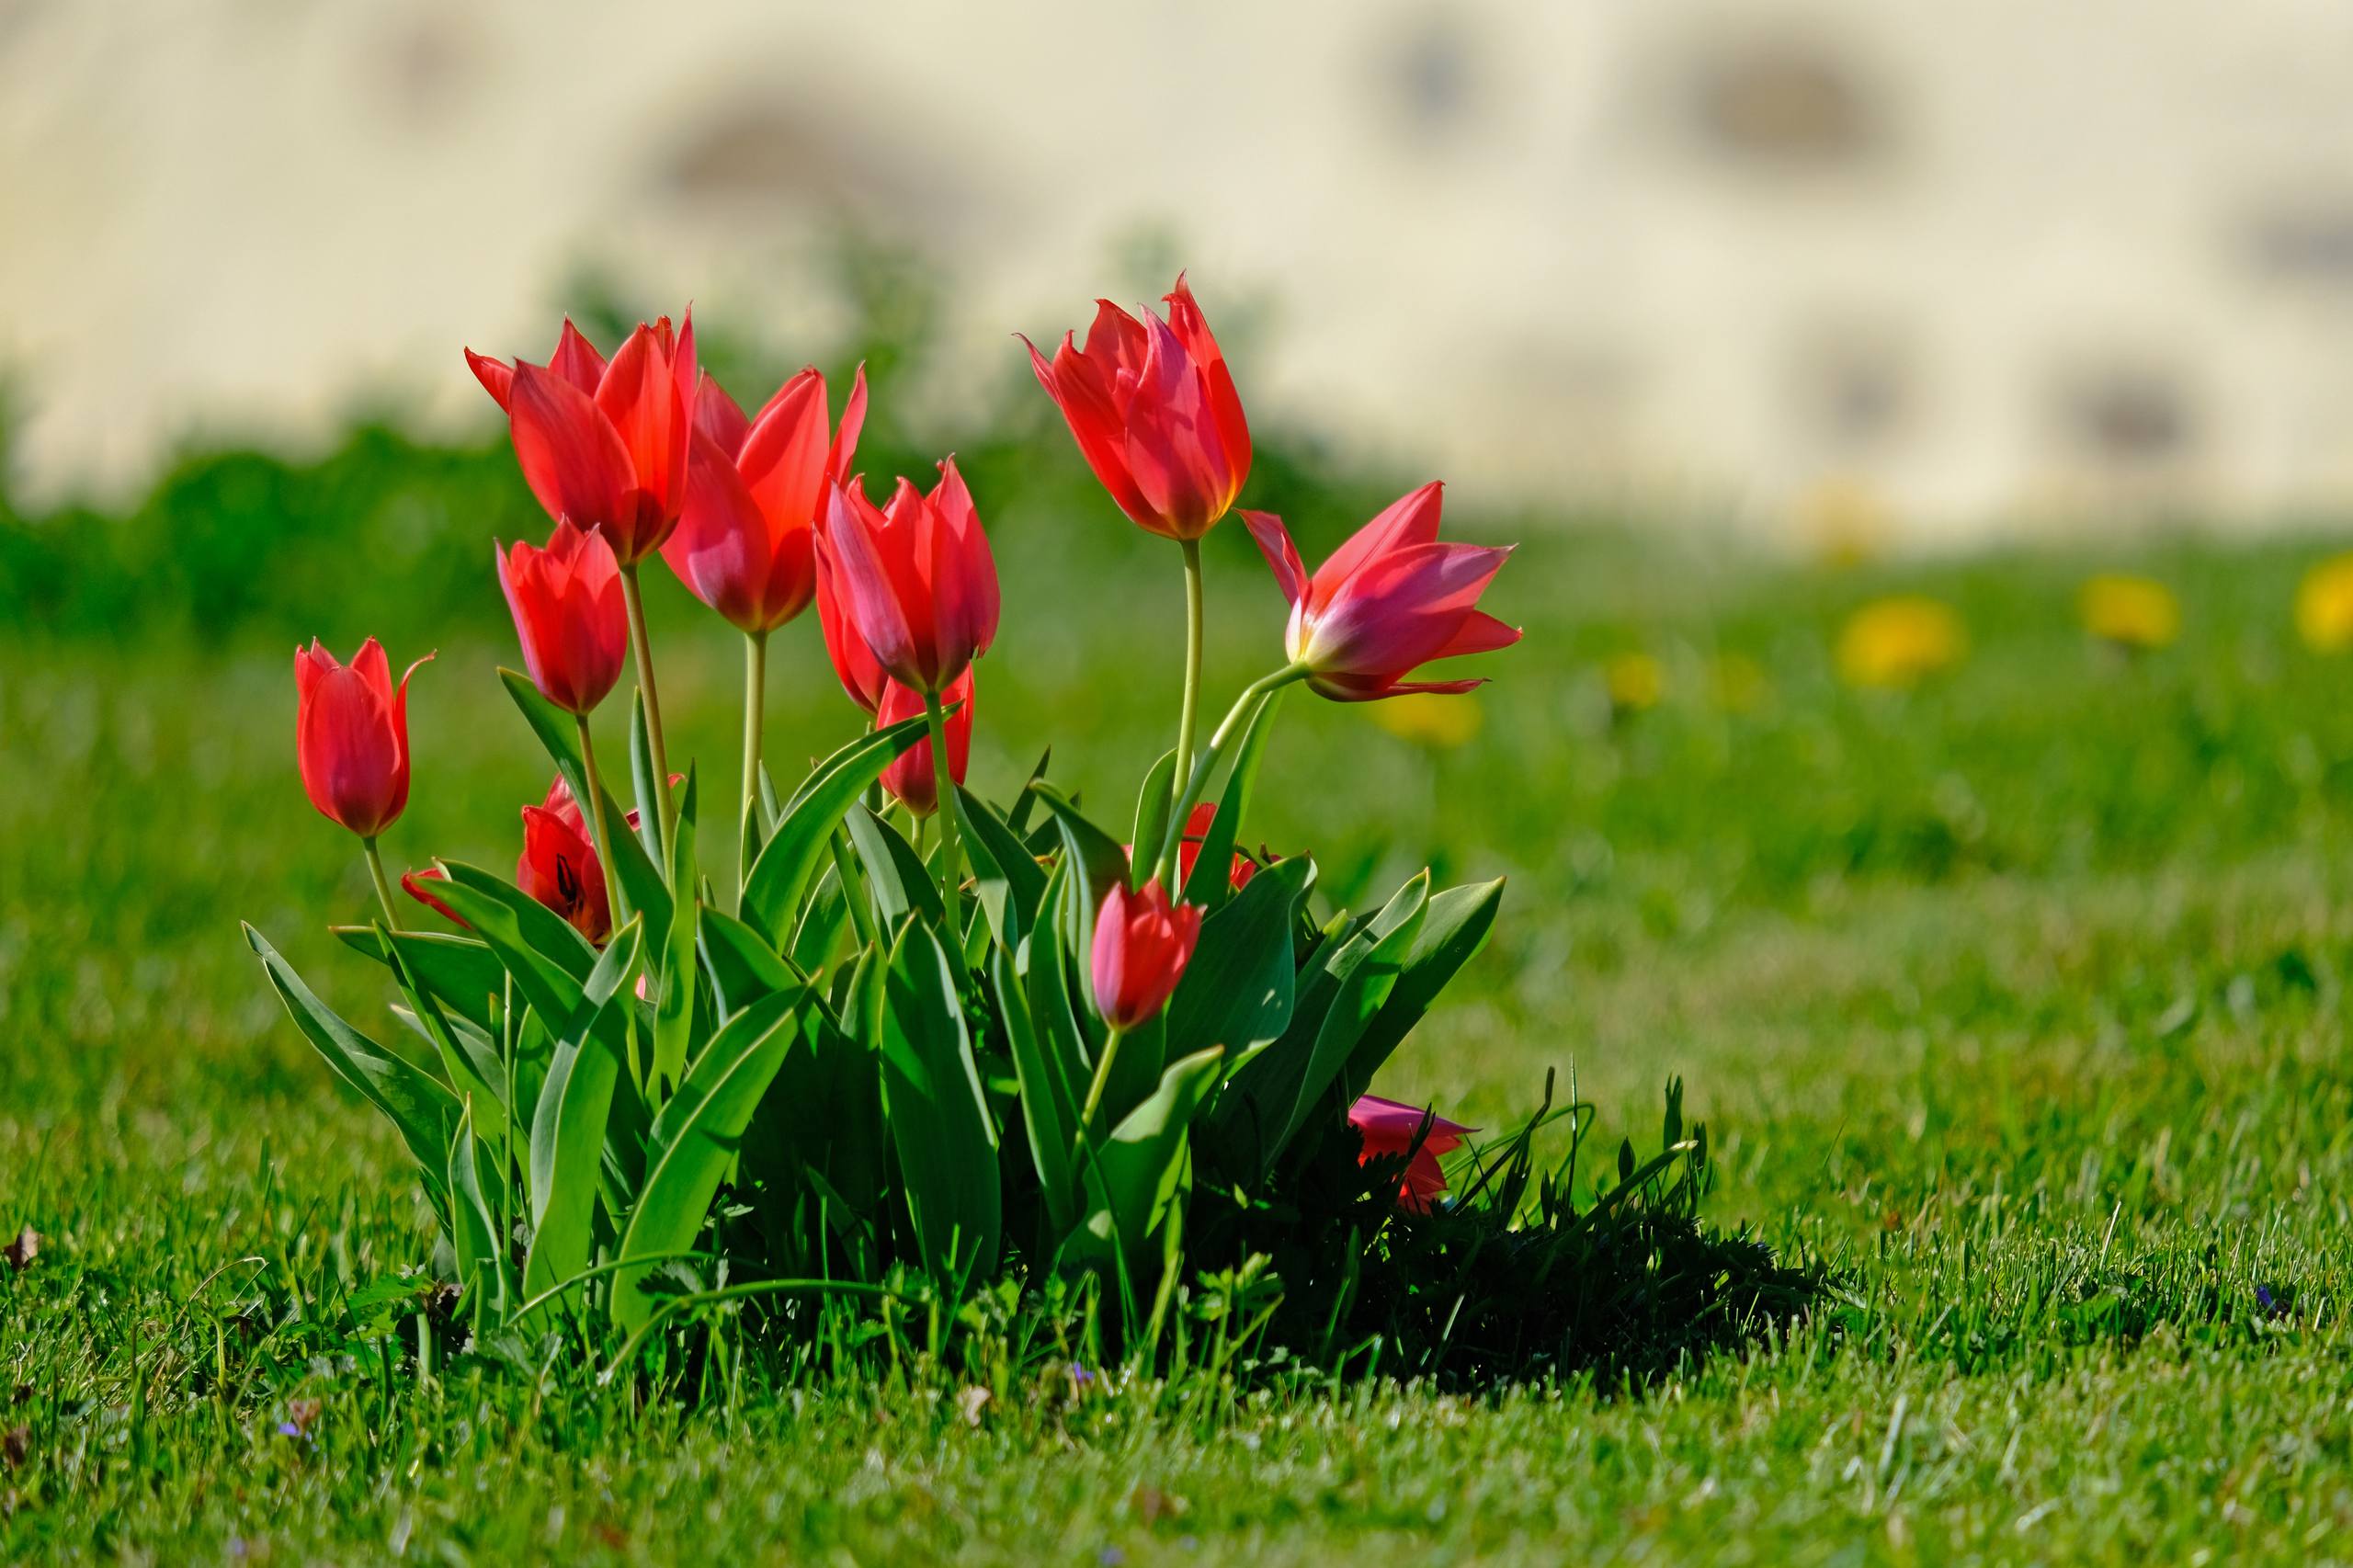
{"x": 1888, "y": 264}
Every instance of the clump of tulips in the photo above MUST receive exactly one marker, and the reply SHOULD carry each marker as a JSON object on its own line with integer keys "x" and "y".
{"x": 912, "y": 1033}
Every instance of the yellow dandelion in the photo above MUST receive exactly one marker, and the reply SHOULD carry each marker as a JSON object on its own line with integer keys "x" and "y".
{"x": 2135, "y": 613}
{"x": 1899, "y": 642}
{"x": 1741, "y": 685}
{"x": 1637, "y": 682}
{"x": 2324, "y": 605}
{"x": 1437, "y": 719}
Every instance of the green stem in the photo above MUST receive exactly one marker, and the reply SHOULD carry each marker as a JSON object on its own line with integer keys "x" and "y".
{"x": 952, "y": 870}
{"x": 597, "y": 815}
{"x": 641, "y": 653}
{"x": 1102, "y": 1081}
{"x": 756, "y": 684}
{"x": 384, "y": 887}
{"x": 1164, "y": 863}
{"x": 1188, "y": 716}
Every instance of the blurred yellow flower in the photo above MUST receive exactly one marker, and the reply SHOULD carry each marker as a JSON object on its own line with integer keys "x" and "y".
{"x": 2138, "y": 613}
{"x": 1636, "y": 681}
{"x": 2324, "y": 605}
{"x": 1437, "y": 719}
{"x": 1899, "y": 642}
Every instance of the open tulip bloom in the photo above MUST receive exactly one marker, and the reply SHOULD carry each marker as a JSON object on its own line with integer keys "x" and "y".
{"x": 922, "y": 1037}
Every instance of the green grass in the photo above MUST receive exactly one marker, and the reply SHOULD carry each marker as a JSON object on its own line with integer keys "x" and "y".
{"x": 2017, "y": 999}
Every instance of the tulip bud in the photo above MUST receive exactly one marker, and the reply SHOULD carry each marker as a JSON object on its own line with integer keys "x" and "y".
{"x": 1388, "y": 1128}
{"x": 911, "y": 778}
{"x": 569, "y": 615}
{"x": 351, "y": 735}
{"x": 1142, "y": 945}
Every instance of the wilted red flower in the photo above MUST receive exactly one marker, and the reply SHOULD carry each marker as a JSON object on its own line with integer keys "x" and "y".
{"x": 1389, "y": 1127}
{"x": 910, "y": 777}
{"x": 604, "y": 444}
{"x": 560, "y": 867}
{"x": 413, "y": 885}
{"x": 1155, "y": 412}
{"x": 569, "y": 615}
{"x": 1390, "y": 599}
{"x": 351, "y": 735}
{"x": 1142, "y": 945}
{"x": 755, "y": 490}
{"x": 915, "y": 578}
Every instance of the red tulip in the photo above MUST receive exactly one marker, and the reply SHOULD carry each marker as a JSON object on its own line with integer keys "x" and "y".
{"x": 1388, "y": 600}
{"x": 755, "y": 490}
{"x": 1389, "y": 1130}
{"x": 560, "y": 868}
{"x": 351, "y": 735}
{"x": 915, "y": 578}
{"x": 604, "y": 444}
{"x": 853, "y": 661}
{"x": 1188, "y": 849}
{"x": 910, "y": 777}
{"x": 1142, "y": 945}
{"x": 413, "y": 885}
{"x": 566, "y": 600}
{"x": 1156, "y": 414}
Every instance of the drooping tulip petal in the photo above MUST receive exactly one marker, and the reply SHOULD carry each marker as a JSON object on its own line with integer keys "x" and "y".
{"x": 1142, "y": 945}
{"x": 351, "y": 735}
{"x": 910, "y": 777}
{"x": 569, "y": 615}
{"x": 1389, "y": 1127}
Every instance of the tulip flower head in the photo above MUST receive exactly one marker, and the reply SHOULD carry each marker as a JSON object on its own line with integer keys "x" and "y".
{"x": 1188, "y": 849}
{"x": 559, "y": 866}
{"x": 603, "y": 443}
{"x": 853, "y": 661}
{"x": 756, "y": 490}
{"x": 1155, "y": 412}
{"x": 914, "y": 578}
{"x": 351, "y": 735}
{"x": 1142, "y": 945}
{"x": 1388, "y": 1128}
{"x": 569, "y": 615}
{"x": 911, "y": 778}
{"x": 1389, "y": 600}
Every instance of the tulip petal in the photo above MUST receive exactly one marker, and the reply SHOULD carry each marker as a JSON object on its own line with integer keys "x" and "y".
{"x": 496, "y": 376}
{"x": 721, "y": 547}
{"x": 576, "y": 360}
{"x": 853, "y": 661}
{"x": 570, "y": 456}
{"x": 868, "y": 585}
{"x": 1173, "y": 446}
{"x": 639, "y": 395}
{"x": 969, "y": 559}
{"x": 1192, "y": 329}
{"x": 1079, "y": 390}
{"x": 844, "y": 447}
{"x": 1116, "y": 344}
{"x": 1410, "y": 519}
{"x": 721, "y": 417}
{"x": 1283, "y": 556}
{"x": 783, "y": 460}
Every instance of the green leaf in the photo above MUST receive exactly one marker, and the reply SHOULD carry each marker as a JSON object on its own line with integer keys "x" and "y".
{"x": 1053, "y": 1006}
{"x": 1018, "y": 822}
{"x": 651, "y": 791}
{"x": 1237, "y": 989}
{"x": 461, "y": 973}
{"x": 674, "y": 1008}
{"x": 1211, "y": 883}
{"x": 568, "y": 1127}
{"x": 1154, "y": 802}
{"x": 694, "y": 1139}
{"x": 471, "y": 1075}
{"x": 1097, "y": 864}
{"x": 823, "y": 917}
{"x": 1133, "y": 1176}
{"x": 743, "y": 968}
{"x": 895, "y": 874}
{"x": 939, "y": 1113}
{"x": 1010, "y": 882}
{"x": 641, "y": 880}
{"x": 473, "y": 1234}
{"x": 419, "y": 1107}
{"x": 541, "y": 950}
{"x": 1049, "y": 1100}
{"x": 1453, "y": 933}
{"x": 772, "y": 896}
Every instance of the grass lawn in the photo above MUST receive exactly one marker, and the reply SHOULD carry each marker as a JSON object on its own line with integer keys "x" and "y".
{"x": 2016, "y": 998}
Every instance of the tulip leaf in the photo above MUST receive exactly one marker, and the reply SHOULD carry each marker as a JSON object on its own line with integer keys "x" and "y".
{"x": 1452, "y": 935}
{"x": 819, "y": 1133}
{"x": 461, "y": 973}
{"x": 473, "y": 1074}
{"x": 481, "y": 1262}
{"x": 674, "y": 1008}
{"x": 772, "y": 896}
{"x": 938, "y": 1114}
{"x": 1153, "y": 806}
{"x": 546, "y": 956}
{"x": 1099, "y": 864}
{"x": 1053, "y": 1007}
{"x": 651, "y": 791}
{"x": 695, "y": 1139}
{"x": 1133, "y": 1176}
{"x": 823, "y": 917}
{"x": 1238, "y": 988}
{"x": 568, "y": 1126}
{"x": 895, "y": 874}
{"x": 743, "y": 968}
{"x": 1049, "y": 1100}
{"x": 558, "y": 732}
{"x": 1211, "y": 882}
{"x": 419, "y": 1107}
{"x": 1008, "y": 879}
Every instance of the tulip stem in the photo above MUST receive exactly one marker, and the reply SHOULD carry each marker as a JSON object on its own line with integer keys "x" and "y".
{"x": 1102, "y": 1080}
{"x": 641, "y": 652}
{"x": 1188, "y": 716}
{"x": 951, "y": 871}
{"x": 597, "y": 814}
{"x": 755, "y": 684}
{"x": 1244, "y": 706}
{"x": 384, "y": 887}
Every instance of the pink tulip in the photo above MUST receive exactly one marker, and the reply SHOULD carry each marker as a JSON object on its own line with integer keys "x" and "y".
{"x": 911, "y": 779}
{"x": 1142, "y": 945}
{"x": 1389, "y": 1127}
{"x": 915, "y": 578}
{"x": 1390, "y": 599}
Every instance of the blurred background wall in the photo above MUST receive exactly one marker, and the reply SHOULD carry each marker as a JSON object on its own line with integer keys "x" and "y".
{"x": 1885, "y": 270}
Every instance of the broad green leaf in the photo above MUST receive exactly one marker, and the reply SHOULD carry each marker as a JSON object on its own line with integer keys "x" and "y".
{"x": 825, "y": 916}
{"x": 674, "y": 1008}
{"x": 938, "y": 1114}
{"x": 547, "y": 957}
{"x": 650, "y": 790}
{"x": 570, "y": 1124}
{"x": 479, "y": 1078}
{"x": 1133, "y": 1176}
{"x": 1237, "y": 989}
{"x": 1061, "y": 1027}
{"x": 641, "y": 880}
{"x": 1097, "y": 864}
{"x": 1364, "y": 985}
{"x": 1453, "y": 933}
{"x": 423, "y": 1111}
{"x": 473, "y": 1234}
{"x": 460, "y": 971}
{"x": 1049, "y": 1100}
{"x": 743, "y": 968}
{"x": 819, "y": 1134}
{"x": 772, "y": 895}
{"x": 1010, "y": 882}
{"x": 895, "y": 874}
{"x": 1211, "y": 882}
{"x": 1153, "y": 803}
{"x": 694, "y": 1137}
